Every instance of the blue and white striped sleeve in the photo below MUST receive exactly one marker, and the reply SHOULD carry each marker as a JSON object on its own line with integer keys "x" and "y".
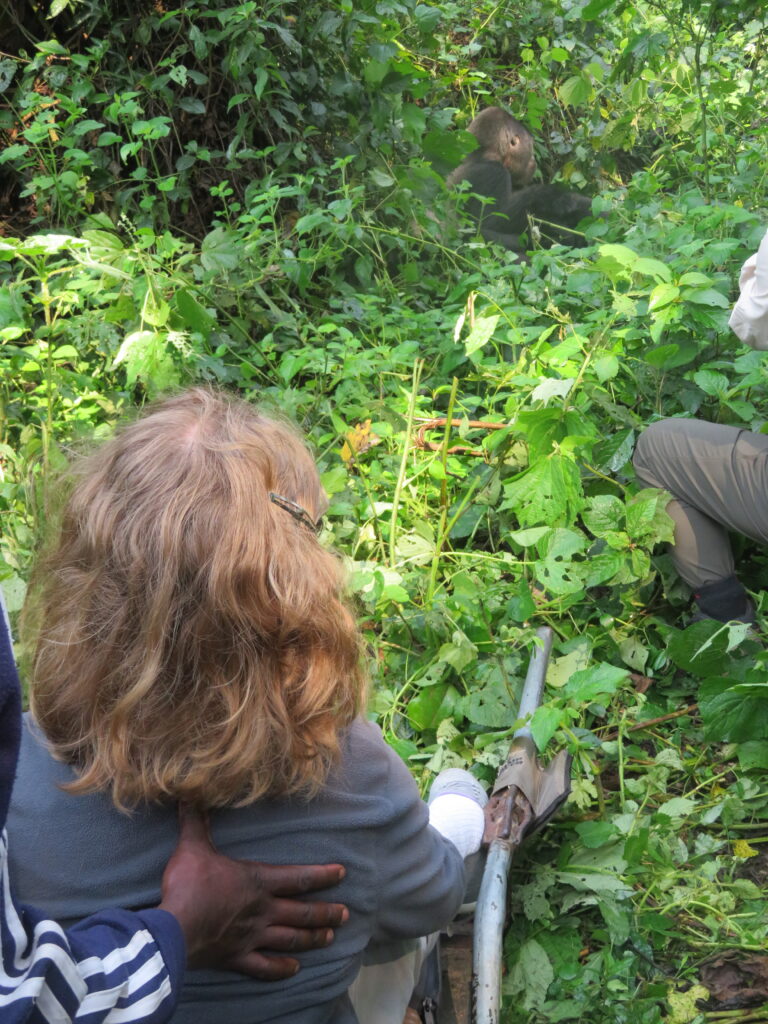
{"x": 116, "y": 967}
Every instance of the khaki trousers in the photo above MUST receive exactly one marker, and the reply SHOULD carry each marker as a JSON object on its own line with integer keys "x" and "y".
{"x": 718, "y": 477}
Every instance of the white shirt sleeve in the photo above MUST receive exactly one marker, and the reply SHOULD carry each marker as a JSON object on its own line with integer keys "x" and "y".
{"x": 749, "y": 318}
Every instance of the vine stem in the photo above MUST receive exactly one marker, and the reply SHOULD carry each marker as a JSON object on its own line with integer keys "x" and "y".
{"x": 418, "y": 366}
{"x": 441, "y": 533}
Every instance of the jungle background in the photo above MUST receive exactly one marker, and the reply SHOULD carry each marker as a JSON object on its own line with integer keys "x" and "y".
{"x": 251, "y": 194}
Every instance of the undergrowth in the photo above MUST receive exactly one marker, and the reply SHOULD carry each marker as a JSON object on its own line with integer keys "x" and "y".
{"x": 246, "y": 196}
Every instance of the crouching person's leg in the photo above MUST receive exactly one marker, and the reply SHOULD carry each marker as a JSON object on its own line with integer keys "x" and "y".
{"x": 718, "y": 477}
{"x": 382, "y": 990}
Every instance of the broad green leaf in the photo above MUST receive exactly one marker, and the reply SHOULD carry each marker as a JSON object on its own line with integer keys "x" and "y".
{"x": 560, "y": 670}
{"x": 604, "y": 512}
{"x": 677, "y": 807}
{"x": 615, "y": 452}
{"x": 734, "y": 713}
{"x": 633, "y": 652}
{"x": 596, "y": 833}
{"x": 606, "y": 368}
{"x": 521, "y": 605}
{"x": 424, "y": 708}
{"x": 526, "y": 538}
{"x": 701, "y": 649}
{"x": 544, "y": 723}
{"x": 492, "y": 706}
{"x": 707, "y": 297}
{"x": 605, "y": 567}
{"x": 459, "y": 653}
{"x": 220, "y": 250}
{"x": 549, "y": 492}
{"x": 753, "y": 754}
{"x": 555, "y": 569}
{"x": 602, "y": 680}
{"x": 711, "y": 382}
{"x": 481, "y": 333}
{"x": 146, "y": 357}
{"x": 663, "y": 295}
{"x": 653, "y": 268}
{"x": 530, "y": 976}
{"x": 88, "y": 125}
{"x": 155, "y": 310}
{"x": 595, "y": 8}
{"x": 613, "y": 255}
{"x": 597, "y": 870}
{"x": 575, "y": 91}
{"x": 193, "y": 313}
{"x": 551, "y": 388}
{"x": 668, "y": 357}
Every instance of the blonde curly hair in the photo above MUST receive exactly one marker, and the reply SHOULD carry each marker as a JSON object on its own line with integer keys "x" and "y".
{"x": 191, "y": 639}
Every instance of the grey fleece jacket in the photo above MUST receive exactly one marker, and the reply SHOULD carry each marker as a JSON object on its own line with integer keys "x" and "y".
{"x": 75, "y": 855}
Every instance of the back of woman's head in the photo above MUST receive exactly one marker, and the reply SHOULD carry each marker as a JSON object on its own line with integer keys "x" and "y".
{"x": 190, "y": 635}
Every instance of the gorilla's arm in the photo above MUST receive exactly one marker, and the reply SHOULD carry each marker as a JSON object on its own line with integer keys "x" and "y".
{"x": 490, "y": 179}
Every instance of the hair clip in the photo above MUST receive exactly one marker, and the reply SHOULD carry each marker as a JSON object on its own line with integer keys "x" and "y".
{"x": 298, "y": 513}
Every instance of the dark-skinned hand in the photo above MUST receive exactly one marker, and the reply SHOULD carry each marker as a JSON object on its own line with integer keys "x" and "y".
{"x": 230, "y": 911}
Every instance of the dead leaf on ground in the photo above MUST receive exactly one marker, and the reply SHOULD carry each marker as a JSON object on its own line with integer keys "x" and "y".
{"x": 736, "y": 980}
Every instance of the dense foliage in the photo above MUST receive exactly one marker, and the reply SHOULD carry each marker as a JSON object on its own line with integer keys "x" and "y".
{"x": 249, "y": 194}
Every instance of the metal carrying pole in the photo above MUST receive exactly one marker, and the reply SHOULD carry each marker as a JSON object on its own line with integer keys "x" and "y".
{"x": 511, "y": 817}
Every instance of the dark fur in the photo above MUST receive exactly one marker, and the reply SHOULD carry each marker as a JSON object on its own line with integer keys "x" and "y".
{"x": 500, "y": 170}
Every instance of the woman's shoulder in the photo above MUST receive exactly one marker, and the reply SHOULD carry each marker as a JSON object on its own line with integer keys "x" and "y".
{"x": 366, "y": 752}
{"x": 370, "y": 766}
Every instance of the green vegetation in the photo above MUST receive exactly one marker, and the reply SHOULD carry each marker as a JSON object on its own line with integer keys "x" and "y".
{"x": 249, "y": 194}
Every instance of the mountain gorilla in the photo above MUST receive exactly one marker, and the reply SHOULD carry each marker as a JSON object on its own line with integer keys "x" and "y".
{"x": 501, "y": 169}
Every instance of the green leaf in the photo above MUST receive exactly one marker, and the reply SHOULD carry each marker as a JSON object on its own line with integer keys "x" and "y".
{"x": 606, "y": 367}
{"x": 648, "y": 521}
{"x": 550, "y": 492}
{"x": 12, "y": 152}
{"x": 83, "y": 127}
{"x": 734, "y": 714}
{"x": 459, "y": 653}
{"x": 526, "y": 538}
{"x": 155, "y": 310}
{"x": 492, "y": 706}
{"x": 701, "y": 649}
{"x": 551, "y": 387}
{"x": 707, "y": 297}
{"x": 663, "y": 295}
{"x": 595, "y": 8}
{"x": 192, "y": 312}
{"x": 555, "y": 570}
{"x": 560, "y": 670}
{"x": 221, "y": 250}
{"x": 481, "y": 333}
{"x": 604, "y": 512}
{"x": 600, "y": 681}
{"x": 521, "y": 605}
{"x": 615, "y": 452}
{"x": 146, "y": 357}
{"x": 530, "y": 976}
{"x": 575, "y": 91}
{"x": 712, "y": 383}
{"x": 753, "y": 754}
{"x": 424, "y": 708}
{"x": 596, "y": 833}
{"x": 544, "y": 723}
{"x": 677, "y": 807}
{"x": 633, "y": 652}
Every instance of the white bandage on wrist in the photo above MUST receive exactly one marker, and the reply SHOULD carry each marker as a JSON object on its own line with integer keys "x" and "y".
{"x": 460, "y": 820}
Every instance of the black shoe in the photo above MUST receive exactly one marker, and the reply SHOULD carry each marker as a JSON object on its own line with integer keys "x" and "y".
{"x": 724, "y": 600}
{"x": 748, "y": 616}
